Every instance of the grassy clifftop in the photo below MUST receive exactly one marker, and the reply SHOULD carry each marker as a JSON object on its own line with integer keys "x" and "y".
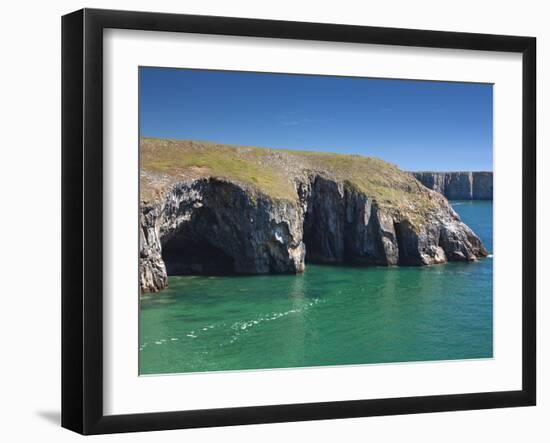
{"x": 274, "y": 171}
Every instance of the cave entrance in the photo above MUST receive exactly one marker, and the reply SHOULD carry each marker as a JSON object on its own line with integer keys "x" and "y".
{"x": 187, "y": 253}
{"x": 402, "y": 252}
{"x": 313, "y": 241}
{"x": 323, "y": 236}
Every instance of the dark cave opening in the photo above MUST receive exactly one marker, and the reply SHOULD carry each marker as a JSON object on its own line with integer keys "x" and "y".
{"x": 186, "y": 252}
{"x": 312, "y": 241}
{"x": 402, "y": 252}
{"x": 323, "y": 238}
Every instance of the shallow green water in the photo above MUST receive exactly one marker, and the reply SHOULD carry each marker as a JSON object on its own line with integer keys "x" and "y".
{"x": 327, "y": 316}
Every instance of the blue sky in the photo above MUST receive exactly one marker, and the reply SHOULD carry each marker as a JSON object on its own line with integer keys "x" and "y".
{"x": 418, "y": 125}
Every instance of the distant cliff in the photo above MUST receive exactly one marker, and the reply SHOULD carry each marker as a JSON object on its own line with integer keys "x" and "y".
{"x": 459, "y": 185}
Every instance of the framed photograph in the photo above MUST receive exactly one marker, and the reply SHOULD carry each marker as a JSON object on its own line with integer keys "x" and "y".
{"x": 269, "y": 221}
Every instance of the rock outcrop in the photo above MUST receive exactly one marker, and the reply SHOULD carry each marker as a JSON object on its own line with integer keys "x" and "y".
{"x": 212, "y": 225}
{"x": 217, "y": 209}
{"x": 459, "y": 185}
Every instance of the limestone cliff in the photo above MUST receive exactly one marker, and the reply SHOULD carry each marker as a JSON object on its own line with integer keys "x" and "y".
{"x": 459, "y": 185}
{"x": 200, "y": 214}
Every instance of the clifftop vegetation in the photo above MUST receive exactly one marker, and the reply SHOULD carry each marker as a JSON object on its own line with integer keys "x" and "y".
{"x": 274, "y": 172}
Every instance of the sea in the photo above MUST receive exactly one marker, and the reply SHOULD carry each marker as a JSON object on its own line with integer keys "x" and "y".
{"x": 329, "y": 315}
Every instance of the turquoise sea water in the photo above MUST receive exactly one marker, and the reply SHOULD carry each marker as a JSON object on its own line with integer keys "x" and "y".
{"x": 330, "y": 315}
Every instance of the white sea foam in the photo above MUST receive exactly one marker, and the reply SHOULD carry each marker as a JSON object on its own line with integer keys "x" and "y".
{"x": 243, "y": 326}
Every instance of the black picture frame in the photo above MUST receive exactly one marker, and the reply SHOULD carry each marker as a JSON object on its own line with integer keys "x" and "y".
{"x": 82, "y": 215}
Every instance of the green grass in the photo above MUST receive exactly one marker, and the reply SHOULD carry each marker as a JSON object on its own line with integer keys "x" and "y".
{"x": 273, "y": 171}
{"x": 178, "y": 160}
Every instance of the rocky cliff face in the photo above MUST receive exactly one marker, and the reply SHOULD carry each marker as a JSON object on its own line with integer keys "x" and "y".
{"x": 214, "y": 225}
{"x": 459, "y": 185}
